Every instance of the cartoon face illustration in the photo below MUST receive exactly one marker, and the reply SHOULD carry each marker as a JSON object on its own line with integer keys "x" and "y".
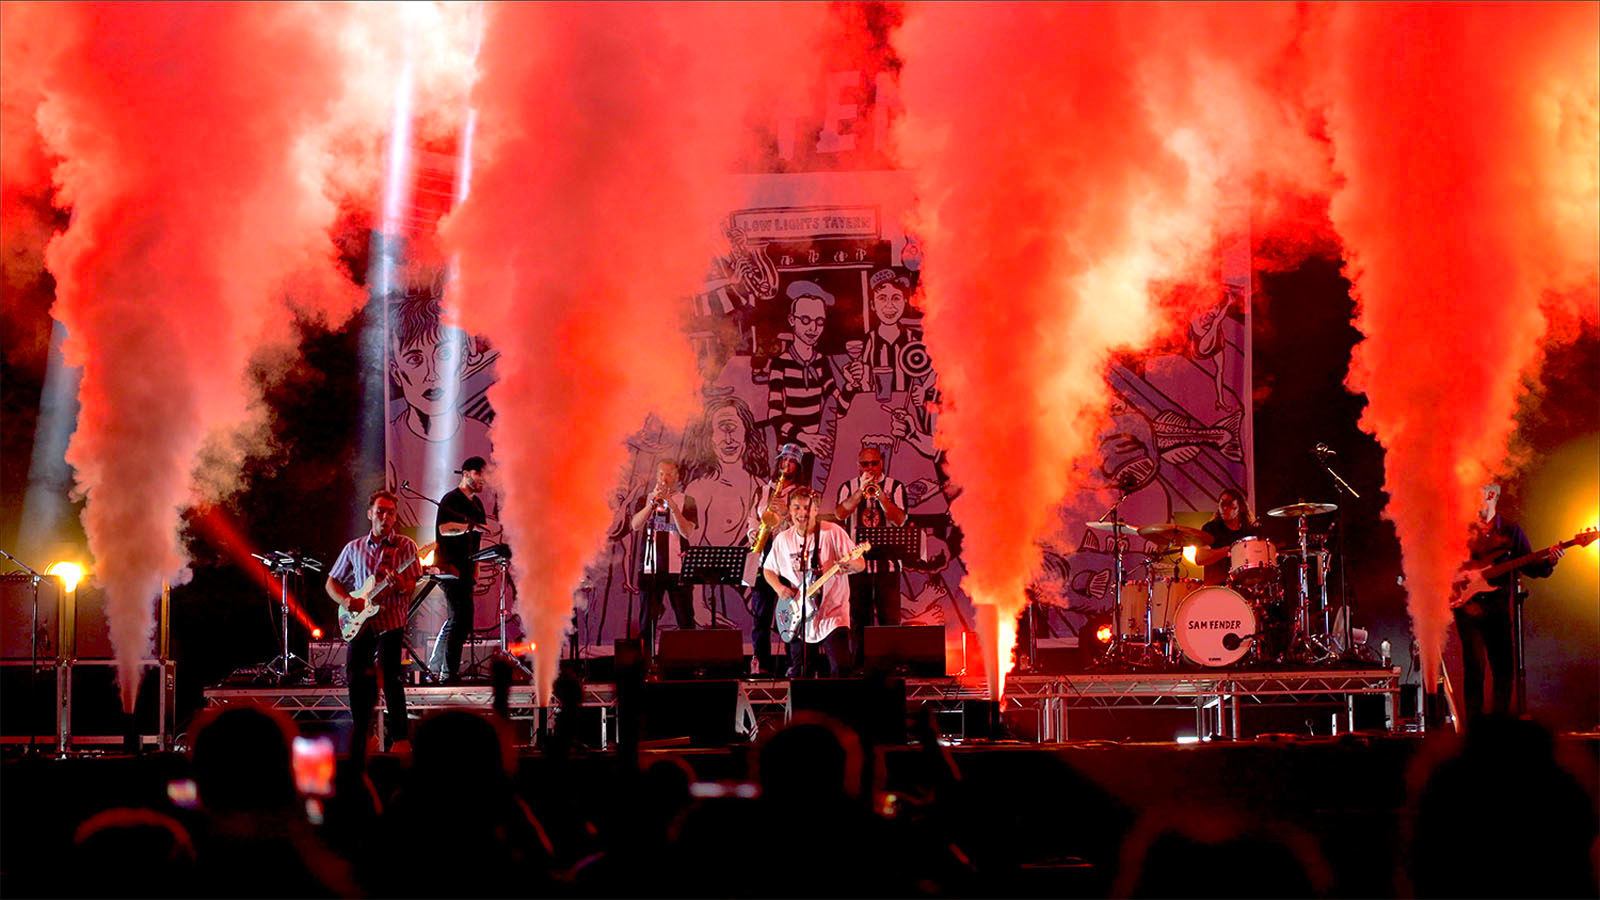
{"x": 888, "y": 303}
{"x": 727, "y": 435}
{"x": 428, "y": 371}
{"x": 806, "y": 318}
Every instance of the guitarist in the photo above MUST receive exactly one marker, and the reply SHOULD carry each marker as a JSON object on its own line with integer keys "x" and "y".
{"x": 1485, "y": 622}
{"x": 810, "y": 544}
{"x": 382, "y": 553}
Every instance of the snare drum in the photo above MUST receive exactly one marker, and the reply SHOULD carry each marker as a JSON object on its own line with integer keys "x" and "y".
{"x": 1252, "y": 560}
{"x": 1209, "y": 620}
{"x": 1163, "y": 594}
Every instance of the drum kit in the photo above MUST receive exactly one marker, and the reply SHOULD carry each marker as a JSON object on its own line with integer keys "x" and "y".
{"x": 1261, "y": 615}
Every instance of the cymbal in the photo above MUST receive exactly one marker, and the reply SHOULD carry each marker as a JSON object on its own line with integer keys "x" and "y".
{"x": 1122, "y": 528}
{"x": 1295, "y": 510}
{"x": 1173, "y": 533}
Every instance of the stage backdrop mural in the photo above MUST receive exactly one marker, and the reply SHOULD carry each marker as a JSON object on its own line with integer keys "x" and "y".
{"x": 816, "y": 288}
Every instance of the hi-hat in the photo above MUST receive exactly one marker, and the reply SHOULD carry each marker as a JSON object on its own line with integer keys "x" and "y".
{"x": 1122, "y": 528}
{"x": 1295, "y": 510}
{"x": 1173, "y": 533}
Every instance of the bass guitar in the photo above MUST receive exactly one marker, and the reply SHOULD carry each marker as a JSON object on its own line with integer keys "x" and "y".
{"x": 787, "y": 616}
{"x": 350, "y": 622}
{"x": 1471, "y": 581}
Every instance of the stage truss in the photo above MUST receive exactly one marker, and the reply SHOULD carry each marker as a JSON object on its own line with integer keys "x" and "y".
{"x": 1215, "y": 697}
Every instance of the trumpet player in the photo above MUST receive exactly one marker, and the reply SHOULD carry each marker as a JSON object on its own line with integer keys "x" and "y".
{"x": 665, "y": 516}
{"x": 771, "y": 510}
{"x": 872, "y": 500}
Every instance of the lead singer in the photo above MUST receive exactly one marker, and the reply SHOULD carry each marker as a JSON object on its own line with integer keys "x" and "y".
{"x": 810, "y": 544}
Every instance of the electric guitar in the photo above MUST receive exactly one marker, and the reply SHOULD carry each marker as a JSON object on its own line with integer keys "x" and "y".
{"x": 350, "y": 622}
{"x": 787, "y": 616}
{"x": 1471, "y": 581}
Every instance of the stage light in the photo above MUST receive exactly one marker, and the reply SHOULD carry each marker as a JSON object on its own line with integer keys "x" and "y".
{"x": 71, "y": 573}
{"x": 1188, "y": 739}
{"x": 1188, "y": 554}
{"x": 426, "y": 559}
{"x": 1103, "y": 634}
{"x": 46, "y": 512}
{"x": 316, "y": 634}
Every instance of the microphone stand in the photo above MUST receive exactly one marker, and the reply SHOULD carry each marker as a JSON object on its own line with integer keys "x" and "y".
{"x": 807, "y": 573}
{"x": 33, "y": 656}
{"x": 1340, "y": 485}
{"x": 1114, "y": 652}
{"x": 409, "y": 491}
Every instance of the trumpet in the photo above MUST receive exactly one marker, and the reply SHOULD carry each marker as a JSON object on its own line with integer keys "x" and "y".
{"x": 871, "y": 490}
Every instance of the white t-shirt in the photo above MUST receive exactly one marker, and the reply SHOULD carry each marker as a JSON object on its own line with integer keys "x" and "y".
{"x": 789, "y": 557}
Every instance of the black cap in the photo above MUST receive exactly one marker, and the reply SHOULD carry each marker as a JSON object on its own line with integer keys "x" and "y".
{"x": 473, "y": 464}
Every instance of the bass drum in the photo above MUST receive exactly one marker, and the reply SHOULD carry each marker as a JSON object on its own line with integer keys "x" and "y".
{"x": 1215, "y": 626}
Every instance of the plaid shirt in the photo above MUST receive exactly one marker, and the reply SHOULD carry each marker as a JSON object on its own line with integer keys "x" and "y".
{"x": 364, "y": 556}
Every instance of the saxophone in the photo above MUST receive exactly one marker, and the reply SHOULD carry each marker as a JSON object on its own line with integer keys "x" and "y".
{"x": 769, "y": 517}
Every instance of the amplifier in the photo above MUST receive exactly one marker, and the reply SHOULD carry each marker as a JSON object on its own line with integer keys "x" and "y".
{"x": 16, "y": 616}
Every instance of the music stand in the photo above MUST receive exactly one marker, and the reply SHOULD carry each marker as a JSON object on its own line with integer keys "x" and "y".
{"x": 711, "y": 564}
{"x": 898, "y": 542}
{"x": 284, "y": 563}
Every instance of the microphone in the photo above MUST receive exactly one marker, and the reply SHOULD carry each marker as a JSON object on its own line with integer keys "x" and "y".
{"x": 1324, "y": 450}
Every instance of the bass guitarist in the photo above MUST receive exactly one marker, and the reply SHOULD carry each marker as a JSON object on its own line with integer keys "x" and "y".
{"x": 1484, "y": 622}
{"x": 800, "y": 553}
{"x": 385, "y": 555}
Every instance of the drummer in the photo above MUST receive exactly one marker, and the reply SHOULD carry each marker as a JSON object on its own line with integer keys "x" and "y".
{"x": 1232, "y": 522}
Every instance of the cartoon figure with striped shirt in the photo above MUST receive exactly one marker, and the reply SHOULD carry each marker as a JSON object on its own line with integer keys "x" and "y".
{"x": 801, "y": 379}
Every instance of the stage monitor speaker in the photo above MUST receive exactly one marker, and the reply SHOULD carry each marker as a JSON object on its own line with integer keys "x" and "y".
{"x": 911, "y": 649}
{"x": 701, "y": 653}
{"x": 702, "y": 711}
{"x": 874, "y": 707}
{"x": 627, "y": 657}
{"x": 16, "y": 616}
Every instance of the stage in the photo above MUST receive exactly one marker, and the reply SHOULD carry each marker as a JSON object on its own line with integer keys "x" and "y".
{"x": 1044, "y": 704}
